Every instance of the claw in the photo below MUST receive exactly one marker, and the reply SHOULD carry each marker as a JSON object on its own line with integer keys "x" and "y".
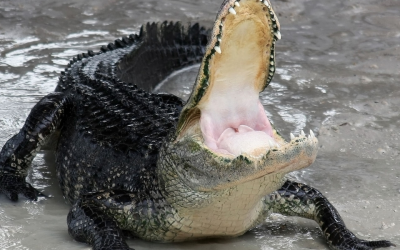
{"x": 40, "y": 194}
{"x": 12, "y": 186}
{"x": 365, "y": 245}
{"x": 379, "y": 243}
{"x": 13, "y": 196}
{"x": 30, "y": 193}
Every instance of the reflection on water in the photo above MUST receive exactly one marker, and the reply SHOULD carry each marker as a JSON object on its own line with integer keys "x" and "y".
{"x": 337, "y": 74}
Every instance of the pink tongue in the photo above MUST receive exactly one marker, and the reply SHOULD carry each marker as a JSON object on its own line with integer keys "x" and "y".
{"x": 219, "y": 120}
{"x": 244, "y": 140}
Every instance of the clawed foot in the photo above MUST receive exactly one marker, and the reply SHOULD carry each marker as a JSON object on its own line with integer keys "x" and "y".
{"x": 375, "y": 244}
{"x": 114, "y": 248}
{"x": 12, "y": 186}
{"x": 357, "y": 244}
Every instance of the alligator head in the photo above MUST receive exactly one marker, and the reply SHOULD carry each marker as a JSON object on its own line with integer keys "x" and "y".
{"x": 224, "y": 137}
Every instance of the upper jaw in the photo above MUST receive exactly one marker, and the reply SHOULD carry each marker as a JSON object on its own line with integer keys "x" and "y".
{"x": 215, "y": 46}
{"x": 238, "y": 64}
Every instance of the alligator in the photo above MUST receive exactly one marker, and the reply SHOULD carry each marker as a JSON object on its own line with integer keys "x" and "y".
{"x": 167, "y": 170}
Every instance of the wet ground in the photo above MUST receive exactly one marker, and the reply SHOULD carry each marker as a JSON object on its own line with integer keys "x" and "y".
{"x": 338, "y": 74}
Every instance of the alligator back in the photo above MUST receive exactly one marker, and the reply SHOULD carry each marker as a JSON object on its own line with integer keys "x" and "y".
{"x": 116, "y": 126}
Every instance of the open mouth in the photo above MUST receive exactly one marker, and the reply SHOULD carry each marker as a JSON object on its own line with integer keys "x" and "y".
{"x": 239, "y": 63}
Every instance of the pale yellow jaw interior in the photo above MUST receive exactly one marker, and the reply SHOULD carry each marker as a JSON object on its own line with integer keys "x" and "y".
{"x": 233, "y": 121}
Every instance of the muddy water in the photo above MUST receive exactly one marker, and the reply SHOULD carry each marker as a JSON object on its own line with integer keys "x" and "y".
{"x": 338, "y": 74}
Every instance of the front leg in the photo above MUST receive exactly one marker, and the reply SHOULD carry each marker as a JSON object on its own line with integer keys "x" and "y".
{"x": 17, "y": 154}
{"x": 296, "y": 199}
{"x": 89, "y": 222}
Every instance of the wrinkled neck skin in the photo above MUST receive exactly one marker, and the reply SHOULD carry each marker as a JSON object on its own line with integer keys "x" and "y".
{"x": 224, "y": 141}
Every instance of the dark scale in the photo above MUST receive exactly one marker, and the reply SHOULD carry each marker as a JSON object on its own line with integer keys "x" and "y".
{"x": 119, "y": 116}
{"x": 111, "y": 135}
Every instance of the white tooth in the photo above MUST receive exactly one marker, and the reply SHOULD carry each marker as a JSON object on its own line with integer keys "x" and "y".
{"x": 271, "y": 144}
{"x": 266, "y": 3}
{"x": 219, "y": 40}
{"x": 272, "y": 63}
{"x": 292, "y": 136}
{"x": 302, "y": 133}
{"x": 237, "y": 4}
{"x": 312, "y": 133}
{"x": 278, "y": 35}
{"x": 218, "y": 49}
{"x": 232, "y": 11}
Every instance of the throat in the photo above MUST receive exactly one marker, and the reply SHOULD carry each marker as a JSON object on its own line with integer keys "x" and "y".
{"x": 223, "y": 215}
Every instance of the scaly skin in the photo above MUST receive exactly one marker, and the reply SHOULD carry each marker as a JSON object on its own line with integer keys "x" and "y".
{"x": 131, "y": 160}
